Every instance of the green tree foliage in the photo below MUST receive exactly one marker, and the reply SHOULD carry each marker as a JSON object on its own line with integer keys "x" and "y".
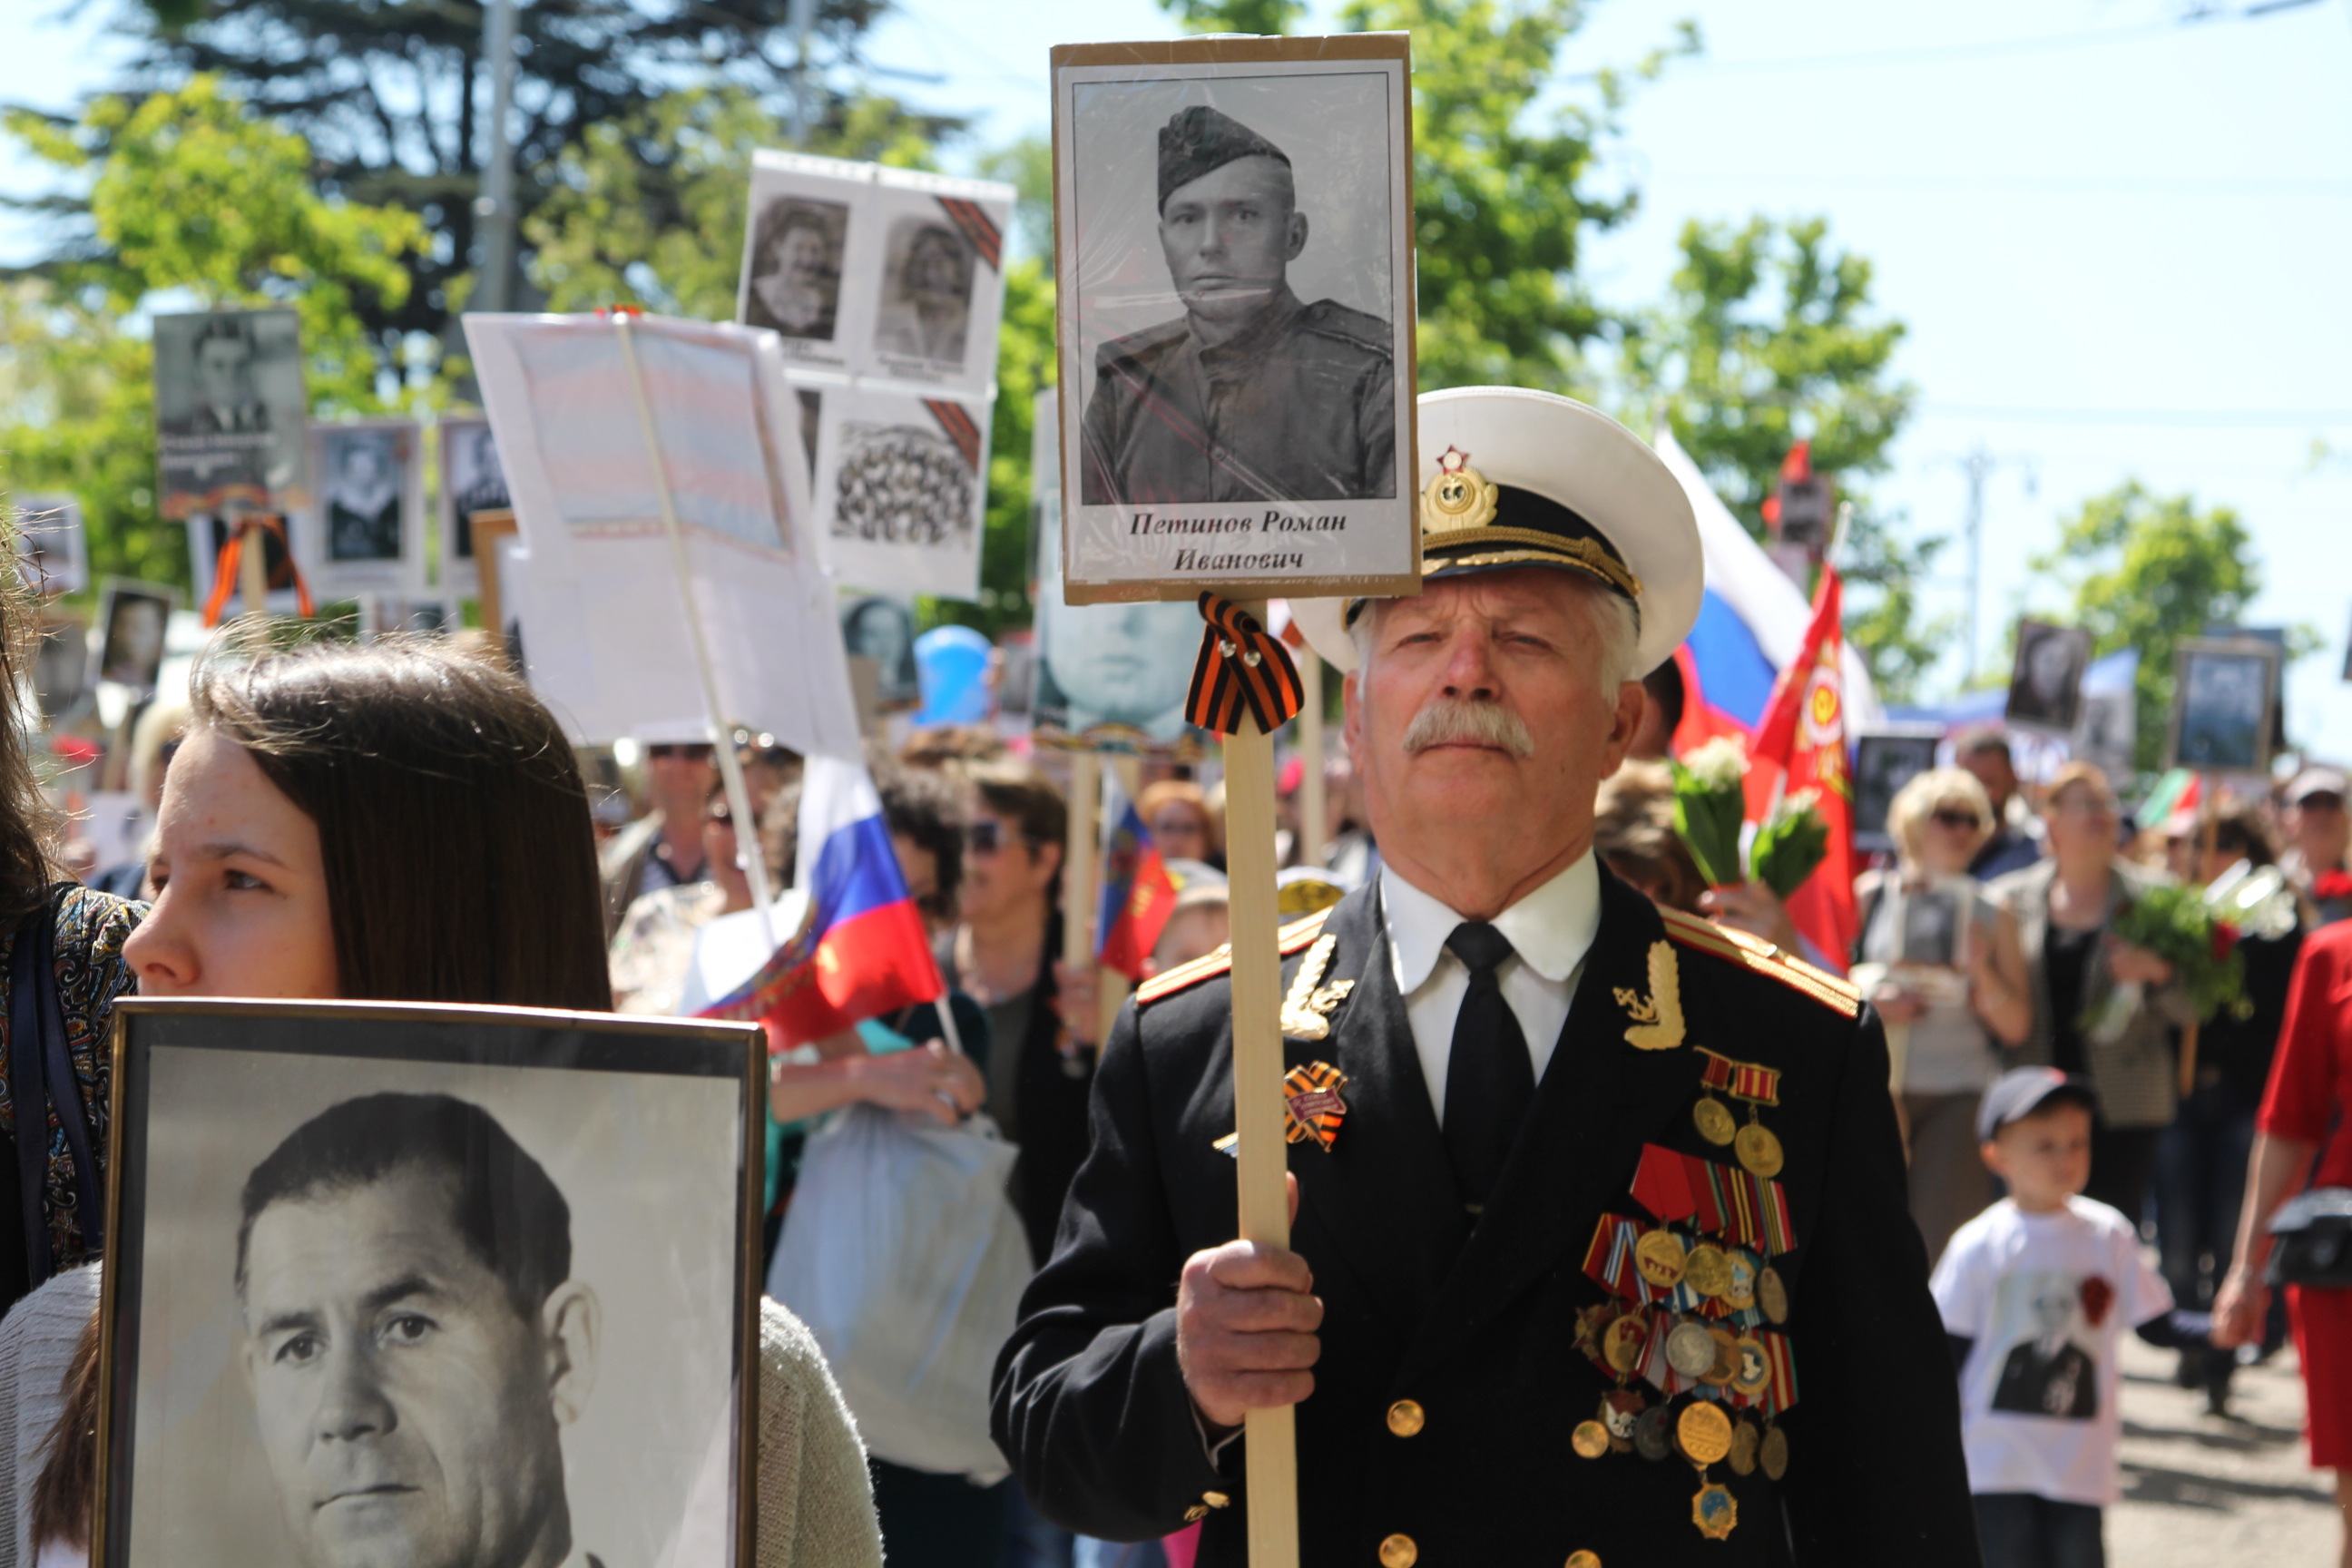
{"x": 195, "y": 203}
{"x": 1766, "y": 336}
{"x": 2146, "y": 570}
{"x": 390, "y": 94}
{"x": 1261, "y": 16}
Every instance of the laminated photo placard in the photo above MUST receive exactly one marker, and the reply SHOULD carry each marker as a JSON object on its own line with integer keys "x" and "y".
{"x": 1234, "y": 310}
{"x": 365, "y": 532}
{"x": 51, "y": 550}
{"x": 901, "y": 489}
{"x": 473, "y": 478}
{"x": 231, "y": 415}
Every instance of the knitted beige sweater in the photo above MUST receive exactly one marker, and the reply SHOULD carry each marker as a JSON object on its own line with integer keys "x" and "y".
{"x": 817, "y": 1500}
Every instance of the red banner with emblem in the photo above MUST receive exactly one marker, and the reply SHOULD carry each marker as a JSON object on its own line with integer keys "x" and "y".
{"x": 1800, "y": 745}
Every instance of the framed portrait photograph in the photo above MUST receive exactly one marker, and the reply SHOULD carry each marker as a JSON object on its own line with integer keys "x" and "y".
{"x": 939, "y": 293}
{"x": 2225, "y": 694}
{"x": 366, "y": 533}
{"x": 798, "y": 280}
{"x": 132, "y": 620}
{"x": 410, "y": 1284}
{"x": 2045, "y": 688}
{"x": 473, "y": 478}
{"x": 231, "y": 415}
{"x": 1884, "y": 762}
{"x": 1235, "y": 310}
{"x": 881, "y": 628}
{"x": 392, "y": 615}
{"x": 900, "y": 489}
{"x": 50, "y": 549}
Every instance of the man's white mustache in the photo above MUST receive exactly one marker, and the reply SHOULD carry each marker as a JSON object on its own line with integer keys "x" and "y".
{"x": 1454, "y": 721}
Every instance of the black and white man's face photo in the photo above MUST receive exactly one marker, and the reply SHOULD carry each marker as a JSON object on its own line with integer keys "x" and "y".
{"x": 409, "y": 1405}
{"x": 1230, "y": 238}
{"x": 224, "y": 373}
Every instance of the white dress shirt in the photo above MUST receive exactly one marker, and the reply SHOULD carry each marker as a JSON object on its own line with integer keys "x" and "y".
{"x": 1549, "y": 931}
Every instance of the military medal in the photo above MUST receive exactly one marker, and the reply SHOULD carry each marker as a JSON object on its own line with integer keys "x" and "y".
{"x": 1623, "y": 1342}
{"x": 1715, "y": 1511}
{"x": 1772, "y": 1294}
{"x": 1726, "y": 1365}
{"x": 1620, "y": 1409}
{"x": 1708, "y": 1269}
{"x": 1754, "y": 1145}
{"x": 1690, "y": 1349}
{"x": 1591, "y": 1440}
{"x": 1774, "y": 1453}
{"x": 1650, "y": 1440}
{"x": 1743, "y": 1448}
{"x": 1714, "y": 1117}
{"x": 1754, "y": 1374}
{"x": 1659, "y": 1256}
{"x": 1703, "y": 1433}
{"x": 1739, "y": 1282}
{"x": 1312, "y": 1106}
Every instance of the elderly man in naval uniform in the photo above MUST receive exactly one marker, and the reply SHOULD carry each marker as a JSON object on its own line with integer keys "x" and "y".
{"x": 1558, "y": 1159}
{"x": 1250, "y": 396}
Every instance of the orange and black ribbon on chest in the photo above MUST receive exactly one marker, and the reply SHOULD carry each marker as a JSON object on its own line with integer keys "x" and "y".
{"x": 1241, "y": 663}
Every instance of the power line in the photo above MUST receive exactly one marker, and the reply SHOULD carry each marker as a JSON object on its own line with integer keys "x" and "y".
{"x": 2247, "y": 418}
{"x": 2054, "y": 185}
{"x": 1990, "y": 48}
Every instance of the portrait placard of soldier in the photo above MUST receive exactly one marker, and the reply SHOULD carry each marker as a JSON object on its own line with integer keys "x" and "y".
{"x": 1235, "y": 315}
{"x": 876, "y": 627}
{"x": 2223, "y": 693}
{"x": 132, "y": 620}
{"x": 900, "y": 489}
{"x": 2045, "y": 688}
{"x": 366, "y": 533}
{"x": 231, "y": 413}
{"x": 51, "y": 549}
{"x": 940, "y": 285}
{"x": 438, "y": 1288}
{"x": 1882, "y": 763}
{"x": 809, "y": 258}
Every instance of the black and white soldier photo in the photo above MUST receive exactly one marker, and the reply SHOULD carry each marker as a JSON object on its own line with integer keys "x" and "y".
{"x": 1234, "y": 289}
{"x": 231, "y": 413}
{"x": 881, "y": 628}
{"x": 2225, "y": 691}
{"x": 2045, "y": 689}
{"x": 794, "y": 286}
{"x": 1882, "y": 764}
{"x": 362, "y": 495}
{"x": 445, "y": 1291}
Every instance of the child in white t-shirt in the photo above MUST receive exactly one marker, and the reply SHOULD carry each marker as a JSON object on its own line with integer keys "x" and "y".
{"x": 2036, "y": 1293}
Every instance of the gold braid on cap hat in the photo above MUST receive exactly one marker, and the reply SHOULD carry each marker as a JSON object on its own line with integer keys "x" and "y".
{"x": 1457, "y": 511}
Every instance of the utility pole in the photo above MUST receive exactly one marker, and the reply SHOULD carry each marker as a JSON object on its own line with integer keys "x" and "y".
{"x": 1979, "y": 466}
{"x": 802, "y": 20}
{"x": 496, "y": 206}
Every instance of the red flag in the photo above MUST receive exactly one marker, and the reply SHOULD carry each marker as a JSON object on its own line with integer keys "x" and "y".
{"x": 1800, "y": 745}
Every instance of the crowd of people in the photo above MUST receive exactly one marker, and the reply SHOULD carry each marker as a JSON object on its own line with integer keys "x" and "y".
{"x": 405, "y": 821}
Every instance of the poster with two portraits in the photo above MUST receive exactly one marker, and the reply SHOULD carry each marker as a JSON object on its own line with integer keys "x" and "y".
{"x": 886, "y": 287}
{"x": 428, "y": 1284}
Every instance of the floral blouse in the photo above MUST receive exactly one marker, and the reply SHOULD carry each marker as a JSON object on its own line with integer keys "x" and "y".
{"x": 90, "y": 932}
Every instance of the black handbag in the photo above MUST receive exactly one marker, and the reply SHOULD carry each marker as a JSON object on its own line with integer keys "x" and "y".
{"x": 2312, "y": 1240}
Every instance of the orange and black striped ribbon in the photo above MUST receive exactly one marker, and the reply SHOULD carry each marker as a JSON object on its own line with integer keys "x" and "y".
{"x": 956, "y": 422}
{"x": 224, "y": 573}
{"x": 978, "y": 228}
{"x": 1241, "y": 663}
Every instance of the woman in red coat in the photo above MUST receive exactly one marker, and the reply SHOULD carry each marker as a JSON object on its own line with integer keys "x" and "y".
{"x": 2310, "y": 1093}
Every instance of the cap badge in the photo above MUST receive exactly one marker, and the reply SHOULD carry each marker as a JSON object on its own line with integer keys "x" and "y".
{"x": 1458, "y": 497}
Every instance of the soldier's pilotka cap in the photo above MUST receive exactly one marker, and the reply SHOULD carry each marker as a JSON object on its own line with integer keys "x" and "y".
{"x": 1514, "y": 479}
{"x": 1199, "y": 141}
{"x": 2021, "y": 1091}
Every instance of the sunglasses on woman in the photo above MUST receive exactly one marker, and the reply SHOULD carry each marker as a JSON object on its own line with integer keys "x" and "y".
{"x": 985, "y": 837}
{"x": 1947, "y": 816}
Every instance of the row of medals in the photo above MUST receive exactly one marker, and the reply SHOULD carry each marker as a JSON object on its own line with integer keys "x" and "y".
{"x": 1702, "y": 1434}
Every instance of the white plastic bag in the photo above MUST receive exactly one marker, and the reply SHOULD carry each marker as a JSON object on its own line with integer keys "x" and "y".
{"x": 904, "y": 1257}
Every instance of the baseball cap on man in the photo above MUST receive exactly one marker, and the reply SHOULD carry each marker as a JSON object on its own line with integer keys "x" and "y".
{"x": 2315, "y": 781}
{"x": 2021, "y": 1091}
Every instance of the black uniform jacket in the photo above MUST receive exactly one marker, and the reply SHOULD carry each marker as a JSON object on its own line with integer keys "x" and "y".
{"x": 1477, "y": 1326}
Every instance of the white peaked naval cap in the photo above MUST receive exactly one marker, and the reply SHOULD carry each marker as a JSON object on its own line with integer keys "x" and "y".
{"x": 1516, "y": 478}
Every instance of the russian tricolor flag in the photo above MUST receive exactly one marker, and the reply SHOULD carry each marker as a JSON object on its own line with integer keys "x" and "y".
{"x": 1137, "y": 896}
{"x": 862, "y": 951}
{"x": 1751, "y": 626}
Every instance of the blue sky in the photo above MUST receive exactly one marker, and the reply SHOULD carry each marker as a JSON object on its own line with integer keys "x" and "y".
{"x": 2120, "y": 238}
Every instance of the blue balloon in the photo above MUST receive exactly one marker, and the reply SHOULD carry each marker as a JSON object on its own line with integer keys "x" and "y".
{"x": 952, "y": 663}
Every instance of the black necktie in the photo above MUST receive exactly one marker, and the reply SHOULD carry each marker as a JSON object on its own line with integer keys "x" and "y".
{"x": 1490, "y": 1080}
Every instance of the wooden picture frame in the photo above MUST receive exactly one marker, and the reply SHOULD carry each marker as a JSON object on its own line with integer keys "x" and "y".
{"x": 1170, "y": 494}
{"x": 227, "y": 1111}
{"x": 2225, "y": 693}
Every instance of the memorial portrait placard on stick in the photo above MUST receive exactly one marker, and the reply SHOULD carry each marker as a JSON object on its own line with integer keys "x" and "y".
{"x": 548, "y": 1224}
{"x": 2224, "y": 695}
{"x": 2045, "y": 688}
{"x": 365, "y": 531}
{"x": 901, "y": 489}
{"x": 231, "y": 415}
{"x": 1234, "y": 307}
{"x": 473, "y": 478}
{"x": 51, "y": 550}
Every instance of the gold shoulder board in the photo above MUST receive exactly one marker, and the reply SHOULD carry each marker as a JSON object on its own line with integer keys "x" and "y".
{"x": 1762, "y": 957}
{"x": 1296, "y": 935}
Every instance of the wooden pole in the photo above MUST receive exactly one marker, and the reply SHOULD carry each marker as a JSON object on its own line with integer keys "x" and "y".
{"x": 488, "y": 526}
{"x": 1314, "y": 819}
{"x": 2209, "y": 808}
{"x": 1272, "y": 1449}
{"x": 1078, "y": 860}
{"x": 252, "y": 566}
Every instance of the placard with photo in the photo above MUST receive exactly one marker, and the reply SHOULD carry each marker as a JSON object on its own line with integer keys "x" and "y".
{"x": 1234, "y": 307}
{"x": 876, "y": 626}
{"x": 132, "y": 621}
{"x": 1884, "y": 762}
{"x": 50, "y": 549}
{"x": 939, "y": 292}
{"x": 231, "y": 413}
{"x": 801, "y": 278}
{"x": 473, "y": 478}
{"x": 2045, "y": 688}
{"x": 366, "y": 531}
{"x": 515, "y": 1251}
{"x": 2224, "y": 692}
{"x": 901, "y": 490}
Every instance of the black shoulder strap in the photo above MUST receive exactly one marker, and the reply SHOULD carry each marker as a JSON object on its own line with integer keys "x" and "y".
{"x": 41, "y": 1078}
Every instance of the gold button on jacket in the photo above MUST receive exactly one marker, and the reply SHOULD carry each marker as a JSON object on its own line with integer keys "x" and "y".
{"x": 1399, "y": 1552}
{"x": 1406, "y": 1417}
